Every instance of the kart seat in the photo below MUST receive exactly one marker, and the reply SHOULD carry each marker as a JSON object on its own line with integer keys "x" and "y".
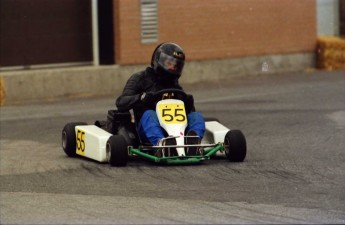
{"x": 121, "y": 123}
{"x": 115, "y": 119}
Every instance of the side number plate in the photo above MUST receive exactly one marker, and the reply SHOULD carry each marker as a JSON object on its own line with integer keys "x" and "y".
{"x": 80, "y": 142}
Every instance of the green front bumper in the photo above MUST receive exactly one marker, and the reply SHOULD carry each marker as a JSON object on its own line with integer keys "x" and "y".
{"x": 175, "y": 160}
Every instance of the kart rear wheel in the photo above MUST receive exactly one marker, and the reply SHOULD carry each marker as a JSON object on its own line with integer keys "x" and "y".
{"x": 117, "y": 152}
{"x": 235, "y": 146}
{"x": 68, "y": 138}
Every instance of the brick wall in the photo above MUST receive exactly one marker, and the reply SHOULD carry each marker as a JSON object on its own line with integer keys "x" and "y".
{"x": 219, "y": 28}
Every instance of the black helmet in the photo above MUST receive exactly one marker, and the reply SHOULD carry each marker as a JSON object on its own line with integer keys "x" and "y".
{"x": 168, "y": 61}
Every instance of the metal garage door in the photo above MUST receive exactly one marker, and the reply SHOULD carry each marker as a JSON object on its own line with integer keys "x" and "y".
{"x": 36, "y": 32}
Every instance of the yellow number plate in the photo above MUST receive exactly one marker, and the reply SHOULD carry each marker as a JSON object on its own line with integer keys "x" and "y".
{"x": 80, "y": 142}
{"x": 172, "y": 113}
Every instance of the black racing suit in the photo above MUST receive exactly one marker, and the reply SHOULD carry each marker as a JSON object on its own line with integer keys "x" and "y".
{"x": 146, "y": 81}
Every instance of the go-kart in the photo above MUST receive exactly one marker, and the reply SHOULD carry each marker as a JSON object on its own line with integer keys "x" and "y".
{"x": 116, "y": 140}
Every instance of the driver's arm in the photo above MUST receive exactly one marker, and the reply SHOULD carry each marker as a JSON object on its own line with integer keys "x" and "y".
{"x": 130, "y": 97}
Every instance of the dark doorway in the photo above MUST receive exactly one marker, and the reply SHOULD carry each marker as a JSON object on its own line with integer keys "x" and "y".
{"x": 106, "y": 32}
{"x": 342, "y": 17}
{"x": 45, "y": 32}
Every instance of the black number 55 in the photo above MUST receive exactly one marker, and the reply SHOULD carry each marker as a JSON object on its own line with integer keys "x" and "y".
{"x": 169, "y": 115}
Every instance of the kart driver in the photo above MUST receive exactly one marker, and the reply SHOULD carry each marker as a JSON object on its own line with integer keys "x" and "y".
{"x": 166, "y": 68}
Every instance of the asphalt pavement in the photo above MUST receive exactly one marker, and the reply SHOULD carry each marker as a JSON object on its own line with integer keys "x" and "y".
{"x": 294, "y": 171}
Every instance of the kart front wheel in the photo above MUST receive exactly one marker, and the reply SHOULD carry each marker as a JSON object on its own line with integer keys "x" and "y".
{"x": 68, "y": 138}
{"x": 235, "y": 146}
{"x": 117, "y": 152}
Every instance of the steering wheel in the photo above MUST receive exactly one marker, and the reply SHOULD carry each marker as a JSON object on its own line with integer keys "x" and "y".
{"x": 170, "y": 93}
{"x": 166, "y": 94}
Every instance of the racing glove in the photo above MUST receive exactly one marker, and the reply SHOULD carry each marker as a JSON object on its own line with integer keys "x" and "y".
{"x": 146, "y": 97}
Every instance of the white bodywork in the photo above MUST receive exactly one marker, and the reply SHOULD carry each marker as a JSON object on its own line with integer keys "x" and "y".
{"x": 91, "y": 142}
{"x": 175, "y": 127}
{"x": 215, "y": 133}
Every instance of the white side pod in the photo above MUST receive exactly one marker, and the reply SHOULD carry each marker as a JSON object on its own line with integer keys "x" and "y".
{"x": 215, "y": 133}
{"x": 91, "y": 142}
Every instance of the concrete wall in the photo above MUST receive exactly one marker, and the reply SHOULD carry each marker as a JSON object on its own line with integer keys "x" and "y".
{"x": 18, "y": 87}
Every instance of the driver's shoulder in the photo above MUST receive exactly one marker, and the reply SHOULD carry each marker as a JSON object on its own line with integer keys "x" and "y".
{"x": 138, "y": 79}
{"x": 138, "y": 75}
{"x": 143, "y": 75}
{"x": 178, "y": 86}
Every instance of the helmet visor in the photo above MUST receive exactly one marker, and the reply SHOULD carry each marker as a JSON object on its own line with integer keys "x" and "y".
{"x": 171, "y": 64}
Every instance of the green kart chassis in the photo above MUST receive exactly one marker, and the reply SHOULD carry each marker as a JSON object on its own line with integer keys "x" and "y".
{"x": 171, "y": 160}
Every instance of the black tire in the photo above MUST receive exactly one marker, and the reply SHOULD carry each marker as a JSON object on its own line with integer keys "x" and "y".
{"x": 235, "y": 146}
{"x": 68, "y": 138}
{"x": 117, "y": 151}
